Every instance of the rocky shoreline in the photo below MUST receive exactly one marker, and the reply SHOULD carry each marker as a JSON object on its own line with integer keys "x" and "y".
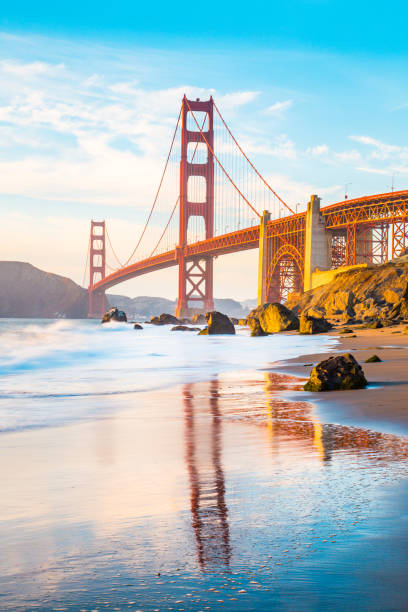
{"x": 383, "y": 404}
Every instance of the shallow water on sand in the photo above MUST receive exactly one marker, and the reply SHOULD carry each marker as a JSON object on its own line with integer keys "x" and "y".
{"x": 225, "y": 492}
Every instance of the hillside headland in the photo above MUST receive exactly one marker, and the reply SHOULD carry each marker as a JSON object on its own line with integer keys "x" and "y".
{"x": 28, "y": 292}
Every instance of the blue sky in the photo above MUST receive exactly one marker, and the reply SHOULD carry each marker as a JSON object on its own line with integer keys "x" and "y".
{"x": 317, "y": 93}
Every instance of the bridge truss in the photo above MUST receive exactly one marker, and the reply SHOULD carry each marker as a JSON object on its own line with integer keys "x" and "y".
{"x": 220, "y": 197}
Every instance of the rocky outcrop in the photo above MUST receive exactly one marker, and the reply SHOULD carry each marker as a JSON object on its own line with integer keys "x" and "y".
{"x": 313, "y": 325}
{"x": 137, "y": 326}
{"x": 217, "y": 323}
{"x": 337, "y": 372}
{"x": 340, "y": 303}
{"x": 273, "y": 318}
{"x": 164, "y": 319}
{"x": 400, "y": 309}
{"x": 114, "y": 314}
{"x": 377, "y": 292}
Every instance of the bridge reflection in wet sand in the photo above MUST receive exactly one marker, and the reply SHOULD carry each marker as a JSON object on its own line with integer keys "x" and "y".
{"x": 203, "y": 431}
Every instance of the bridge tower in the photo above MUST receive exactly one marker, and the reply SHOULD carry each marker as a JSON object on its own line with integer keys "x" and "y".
{"x": 195, "y": 289}
{"x": 97, "y": 256}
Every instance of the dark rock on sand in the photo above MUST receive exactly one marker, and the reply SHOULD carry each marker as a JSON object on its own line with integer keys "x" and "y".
{"x": 373, "y": 359}
{"x": 114, "y": 314}
{"x": 337, "y": 372}
{"x": 137, "y": 326}
{"x": 374, "y": 325}
{"x": 313, "y": 325}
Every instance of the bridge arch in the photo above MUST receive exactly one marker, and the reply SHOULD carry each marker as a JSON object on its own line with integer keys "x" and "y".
{"x": 285, "y": 273}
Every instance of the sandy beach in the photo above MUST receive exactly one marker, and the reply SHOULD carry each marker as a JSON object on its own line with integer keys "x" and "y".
{"x": 384, "y": 404}
{"x": 239, "y": 492}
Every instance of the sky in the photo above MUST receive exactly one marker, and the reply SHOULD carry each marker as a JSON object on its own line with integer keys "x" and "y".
{"x": 316, "y": 92}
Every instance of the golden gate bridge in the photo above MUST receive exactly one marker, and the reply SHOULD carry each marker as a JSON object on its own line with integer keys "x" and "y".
{"x": 217, "y": 202}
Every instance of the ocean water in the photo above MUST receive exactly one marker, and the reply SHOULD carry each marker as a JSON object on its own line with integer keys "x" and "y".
{"x": 55, "y": 372}
{"x": 155, "y": 470}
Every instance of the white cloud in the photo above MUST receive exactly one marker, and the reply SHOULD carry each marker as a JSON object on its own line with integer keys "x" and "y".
{"x": 29, "y": 70}
{"x": 279, "y": 108}
{"x": 300, "y": 191}
{"x": 382, "y": 150}
{"x": 352, "y": 156}
{"x": 318, "y": 150}
{"x": 236, "y": 99}
{"x": 374, "y": 170}
{"x": 281, "y": 147}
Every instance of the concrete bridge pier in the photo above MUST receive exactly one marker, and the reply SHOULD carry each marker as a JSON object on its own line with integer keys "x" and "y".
{"x": 263, "y": 258}
{"x": 317, "y": 242}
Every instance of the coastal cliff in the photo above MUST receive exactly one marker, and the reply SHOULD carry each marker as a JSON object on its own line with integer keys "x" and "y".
{"x": 361, "y": 293}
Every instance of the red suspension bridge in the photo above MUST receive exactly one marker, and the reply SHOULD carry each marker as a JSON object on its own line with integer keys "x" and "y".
{"x": 217, "y": 202}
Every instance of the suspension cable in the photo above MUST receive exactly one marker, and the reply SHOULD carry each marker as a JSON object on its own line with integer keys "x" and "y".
{"x": 113, "y": 250}
{"x": 87, "y": 259}
{"x": 165, "y": 229}
{"x": 220, "y": 164}
{"x": 177, "y": 201}
{"x": 157, "y": 192}
{"x": 249, "y": 161}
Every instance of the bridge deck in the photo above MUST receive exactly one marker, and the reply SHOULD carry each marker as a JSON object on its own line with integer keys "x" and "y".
{"x": 384, "y": 207}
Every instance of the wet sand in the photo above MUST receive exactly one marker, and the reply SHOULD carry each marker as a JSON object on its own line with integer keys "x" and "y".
{"x": 214, "y": 495}
{"x": 239, "y": 493}
{"x": 384, "y": 404}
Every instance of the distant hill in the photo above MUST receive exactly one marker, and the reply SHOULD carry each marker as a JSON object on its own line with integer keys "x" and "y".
{"x": 141, "y": 306}
{"x": 147, "y": 306}
{"x": 27, "y": 291}
{"x": 248, "y": 305}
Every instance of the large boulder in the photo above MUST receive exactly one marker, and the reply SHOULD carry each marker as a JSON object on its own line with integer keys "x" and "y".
{"x": 313, "y": 325}
{"x": 114, "y": 314}
{"x": 257, "y": 329}
{"x": 337, "y": 372}
{"x": 164, "y": 319}
{"x": 273, "y": 318}
{"x": 217, "y": 323}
